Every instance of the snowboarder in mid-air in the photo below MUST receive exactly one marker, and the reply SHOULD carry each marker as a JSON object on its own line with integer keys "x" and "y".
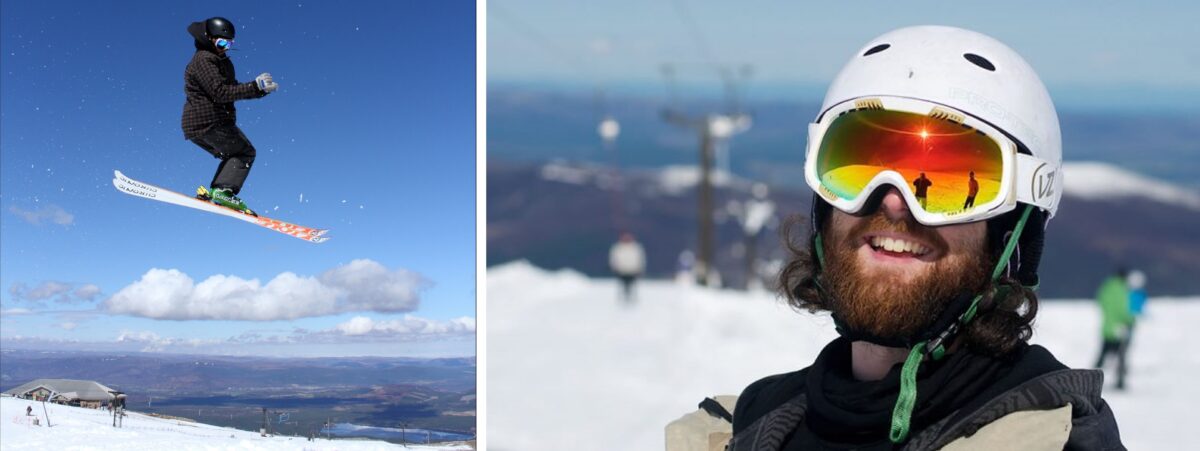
{"x": 209, "y": 118}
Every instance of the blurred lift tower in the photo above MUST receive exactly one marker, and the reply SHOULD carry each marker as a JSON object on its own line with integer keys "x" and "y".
{"x": 715, "y": 129}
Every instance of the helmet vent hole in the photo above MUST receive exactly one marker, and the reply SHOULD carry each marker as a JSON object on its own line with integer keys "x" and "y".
{"x": 980, "y": 61}
{"x": 876, "y": 49}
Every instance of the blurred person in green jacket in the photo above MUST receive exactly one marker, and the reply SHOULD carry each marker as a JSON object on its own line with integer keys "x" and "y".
{"x": 1116, "y": 321}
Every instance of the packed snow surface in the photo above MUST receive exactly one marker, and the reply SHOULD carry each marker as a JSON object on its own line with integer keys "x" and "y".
{"x": 78, "y": 428}
{"x": 572, "y": 367}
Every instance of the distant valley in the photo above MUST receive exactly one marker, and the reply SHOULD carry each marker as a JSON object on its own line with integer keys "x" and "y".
{"x": 300, "y": 395}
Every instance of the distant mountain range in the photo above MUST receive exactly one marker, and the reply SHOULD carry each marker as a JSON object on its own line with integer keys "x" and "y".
{"x": 200, "y": 374}
{"x": 562, "y": 214}
{"x": 230, "y": 391}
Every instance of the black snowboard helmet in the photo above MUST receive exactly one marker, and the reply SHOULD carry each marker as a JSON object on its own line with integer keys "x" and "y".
{"x": 204, "y": 32}
{"x": 219, "y": 27}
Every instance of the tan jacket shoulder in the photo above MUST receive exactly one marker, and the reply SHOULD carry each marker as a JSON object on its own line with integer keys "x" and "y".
{"x": 1023, "y": 430}
{"x": 700, "y": 430}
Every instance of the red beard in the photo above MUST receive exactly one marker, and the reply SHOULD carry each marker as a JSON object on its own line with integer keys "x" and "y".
{"x": 890, "y": 304}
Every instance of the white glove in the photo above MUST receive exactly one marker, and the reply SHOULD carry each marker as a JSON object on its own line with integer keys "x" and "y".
{"x": 266, "y": 83}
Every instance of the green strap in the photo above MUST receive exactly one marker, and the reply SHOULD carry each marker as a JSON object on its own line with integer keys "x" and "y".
{"x": 902, "y": 413}
{"x": 820, "y": 251}
{"x": 1012, "y": 243}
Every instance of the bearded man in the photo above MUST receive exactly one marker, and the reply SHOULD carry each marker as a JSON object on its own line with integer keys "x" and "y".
{"x": 933, "y": 302}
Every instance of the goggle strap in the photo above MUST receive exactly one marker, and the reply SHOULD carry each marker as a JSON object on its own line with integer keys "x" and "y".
{"x": 820, "y": 250}
{"x": 1011, "y": 245}
{"x": 1037, "y": 181}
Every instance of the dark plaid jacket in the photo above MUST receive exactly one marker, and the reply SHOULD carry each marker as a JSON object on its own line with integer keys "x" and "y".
{"x": 211, "y": 88}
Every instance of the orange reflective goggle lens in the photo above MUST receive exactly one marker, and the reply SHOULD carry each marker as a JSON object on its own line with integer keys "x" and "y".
{"x": 949, "y": 167}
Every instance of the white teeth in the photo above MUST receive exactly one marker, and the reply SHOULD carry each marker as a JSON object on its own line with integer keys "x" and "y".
{"x": 898, "y": 245}
{"x": 892, "y": 245}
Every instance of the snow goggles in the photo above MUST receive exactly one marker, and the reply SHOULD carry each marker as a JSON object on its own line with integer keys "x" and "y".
{"x": 223, "y": 43}
{"x": 949, "y": 166}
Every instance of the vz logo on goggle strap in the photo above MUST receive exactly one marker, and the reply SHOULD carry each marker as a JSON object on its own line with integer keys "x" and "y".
{"x": 1043, "y": 184}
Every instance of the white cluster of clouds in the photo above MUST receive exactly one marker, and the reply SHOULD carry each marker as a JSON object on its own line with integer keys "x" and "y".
{"x": 60, "y": 292}
{"x": 52, "y": 214}
{"x": 359, "y": 331}
{"x": 151, "y": 342}
{"x": 409, "y": 325}
{"x": 361, "y": 285}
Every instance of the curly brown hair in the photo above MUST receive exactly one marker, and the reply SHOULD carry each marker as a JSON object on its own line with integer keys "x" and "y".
{"x": 1003, "y": 318}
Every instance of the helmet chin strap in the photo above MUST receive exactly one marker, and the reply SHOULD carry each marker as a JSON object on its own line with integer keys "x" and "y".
{"x": 934, "y": 340}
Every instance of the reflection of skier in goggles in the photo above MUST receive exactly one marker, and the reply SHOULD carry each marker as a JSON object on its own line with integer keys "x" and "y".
{"x": 922, "y": 185}
{"x": 972, "y": 191}
{"x": 209, "y": 117}
{"x": 933, "y": 298}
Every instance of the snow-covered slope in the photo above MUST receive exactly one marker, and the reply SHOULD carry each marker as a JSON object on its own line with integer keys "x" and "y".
{"x": 78, "y": 428}
{"x": 570, "y": 367}
{"x": 1095, "y": 180}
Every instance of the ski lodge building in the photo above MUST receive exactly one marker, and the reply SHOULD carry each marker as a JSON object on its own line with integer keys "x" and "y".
{"x": 65, "y": 391}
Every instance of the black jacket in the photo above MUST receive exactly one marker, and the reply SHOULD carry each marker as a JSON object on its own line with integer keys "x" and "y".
{"x": 211, "y": 88}
{"x": 776, "y": 413}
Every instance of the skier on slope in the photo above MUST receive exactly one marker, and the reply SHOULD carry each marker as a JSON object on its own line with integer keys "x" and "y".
{"x": 933, "y": 304}
{"x": 1117, "y": 319}
{"x": 209, "y": 117}
{"x": 627, "y": 259}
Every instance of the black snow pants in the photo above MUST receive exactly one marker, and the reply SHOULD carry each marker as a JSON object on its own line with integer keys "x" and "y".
{"x": 227, "y": 143}
{"x": 1118, "y": 348}
{"x": 627, "y": 282}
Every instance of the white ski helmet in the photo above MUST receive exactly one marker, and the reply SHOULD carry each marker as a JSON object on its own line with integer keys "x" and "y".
{"x": 964, "y": 70}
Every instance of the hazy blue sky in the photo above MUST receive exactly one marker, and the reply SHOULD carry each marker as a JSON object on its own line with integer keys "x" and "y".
{"x": 372, "y": 127}
{"x": 1088, "y": 53}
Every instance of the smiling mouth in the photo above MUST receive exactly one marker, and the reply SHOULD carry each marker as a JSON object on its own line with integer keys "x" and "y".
{"x": 897, "y": 247}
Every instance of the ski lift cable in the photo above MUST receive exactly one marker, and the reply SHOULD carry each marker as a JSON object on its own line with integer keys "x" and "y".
{"x": 532, "y": 34}
{"x": 730, "y": 77}
{"x": 693, "y": 28}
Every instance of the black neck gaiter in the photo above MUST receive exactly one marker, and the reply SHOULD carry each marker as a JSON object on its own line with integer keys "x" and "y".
{"x": 844, "y": 410}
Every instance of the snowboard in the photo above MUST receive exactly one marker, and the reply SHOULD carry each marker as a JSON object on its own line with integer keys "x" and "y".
{"x": 141, "y": 189}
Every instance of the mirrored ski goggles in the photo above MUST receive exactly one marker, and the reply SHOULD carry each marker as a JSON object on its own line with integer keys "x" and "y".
{"x": 949, "y": 166}
{"x": 223, "y": 43}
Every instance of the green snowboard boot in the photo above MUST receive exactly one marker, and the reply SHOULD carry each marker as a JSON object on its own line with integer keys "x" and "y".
{"x": 225, "y": 198}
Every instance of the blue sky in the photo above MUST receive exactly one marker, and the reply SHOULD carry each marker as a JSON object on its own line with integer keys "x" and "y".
{"x": 1090, "y": 54}
{"x": 372, "y": 126}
